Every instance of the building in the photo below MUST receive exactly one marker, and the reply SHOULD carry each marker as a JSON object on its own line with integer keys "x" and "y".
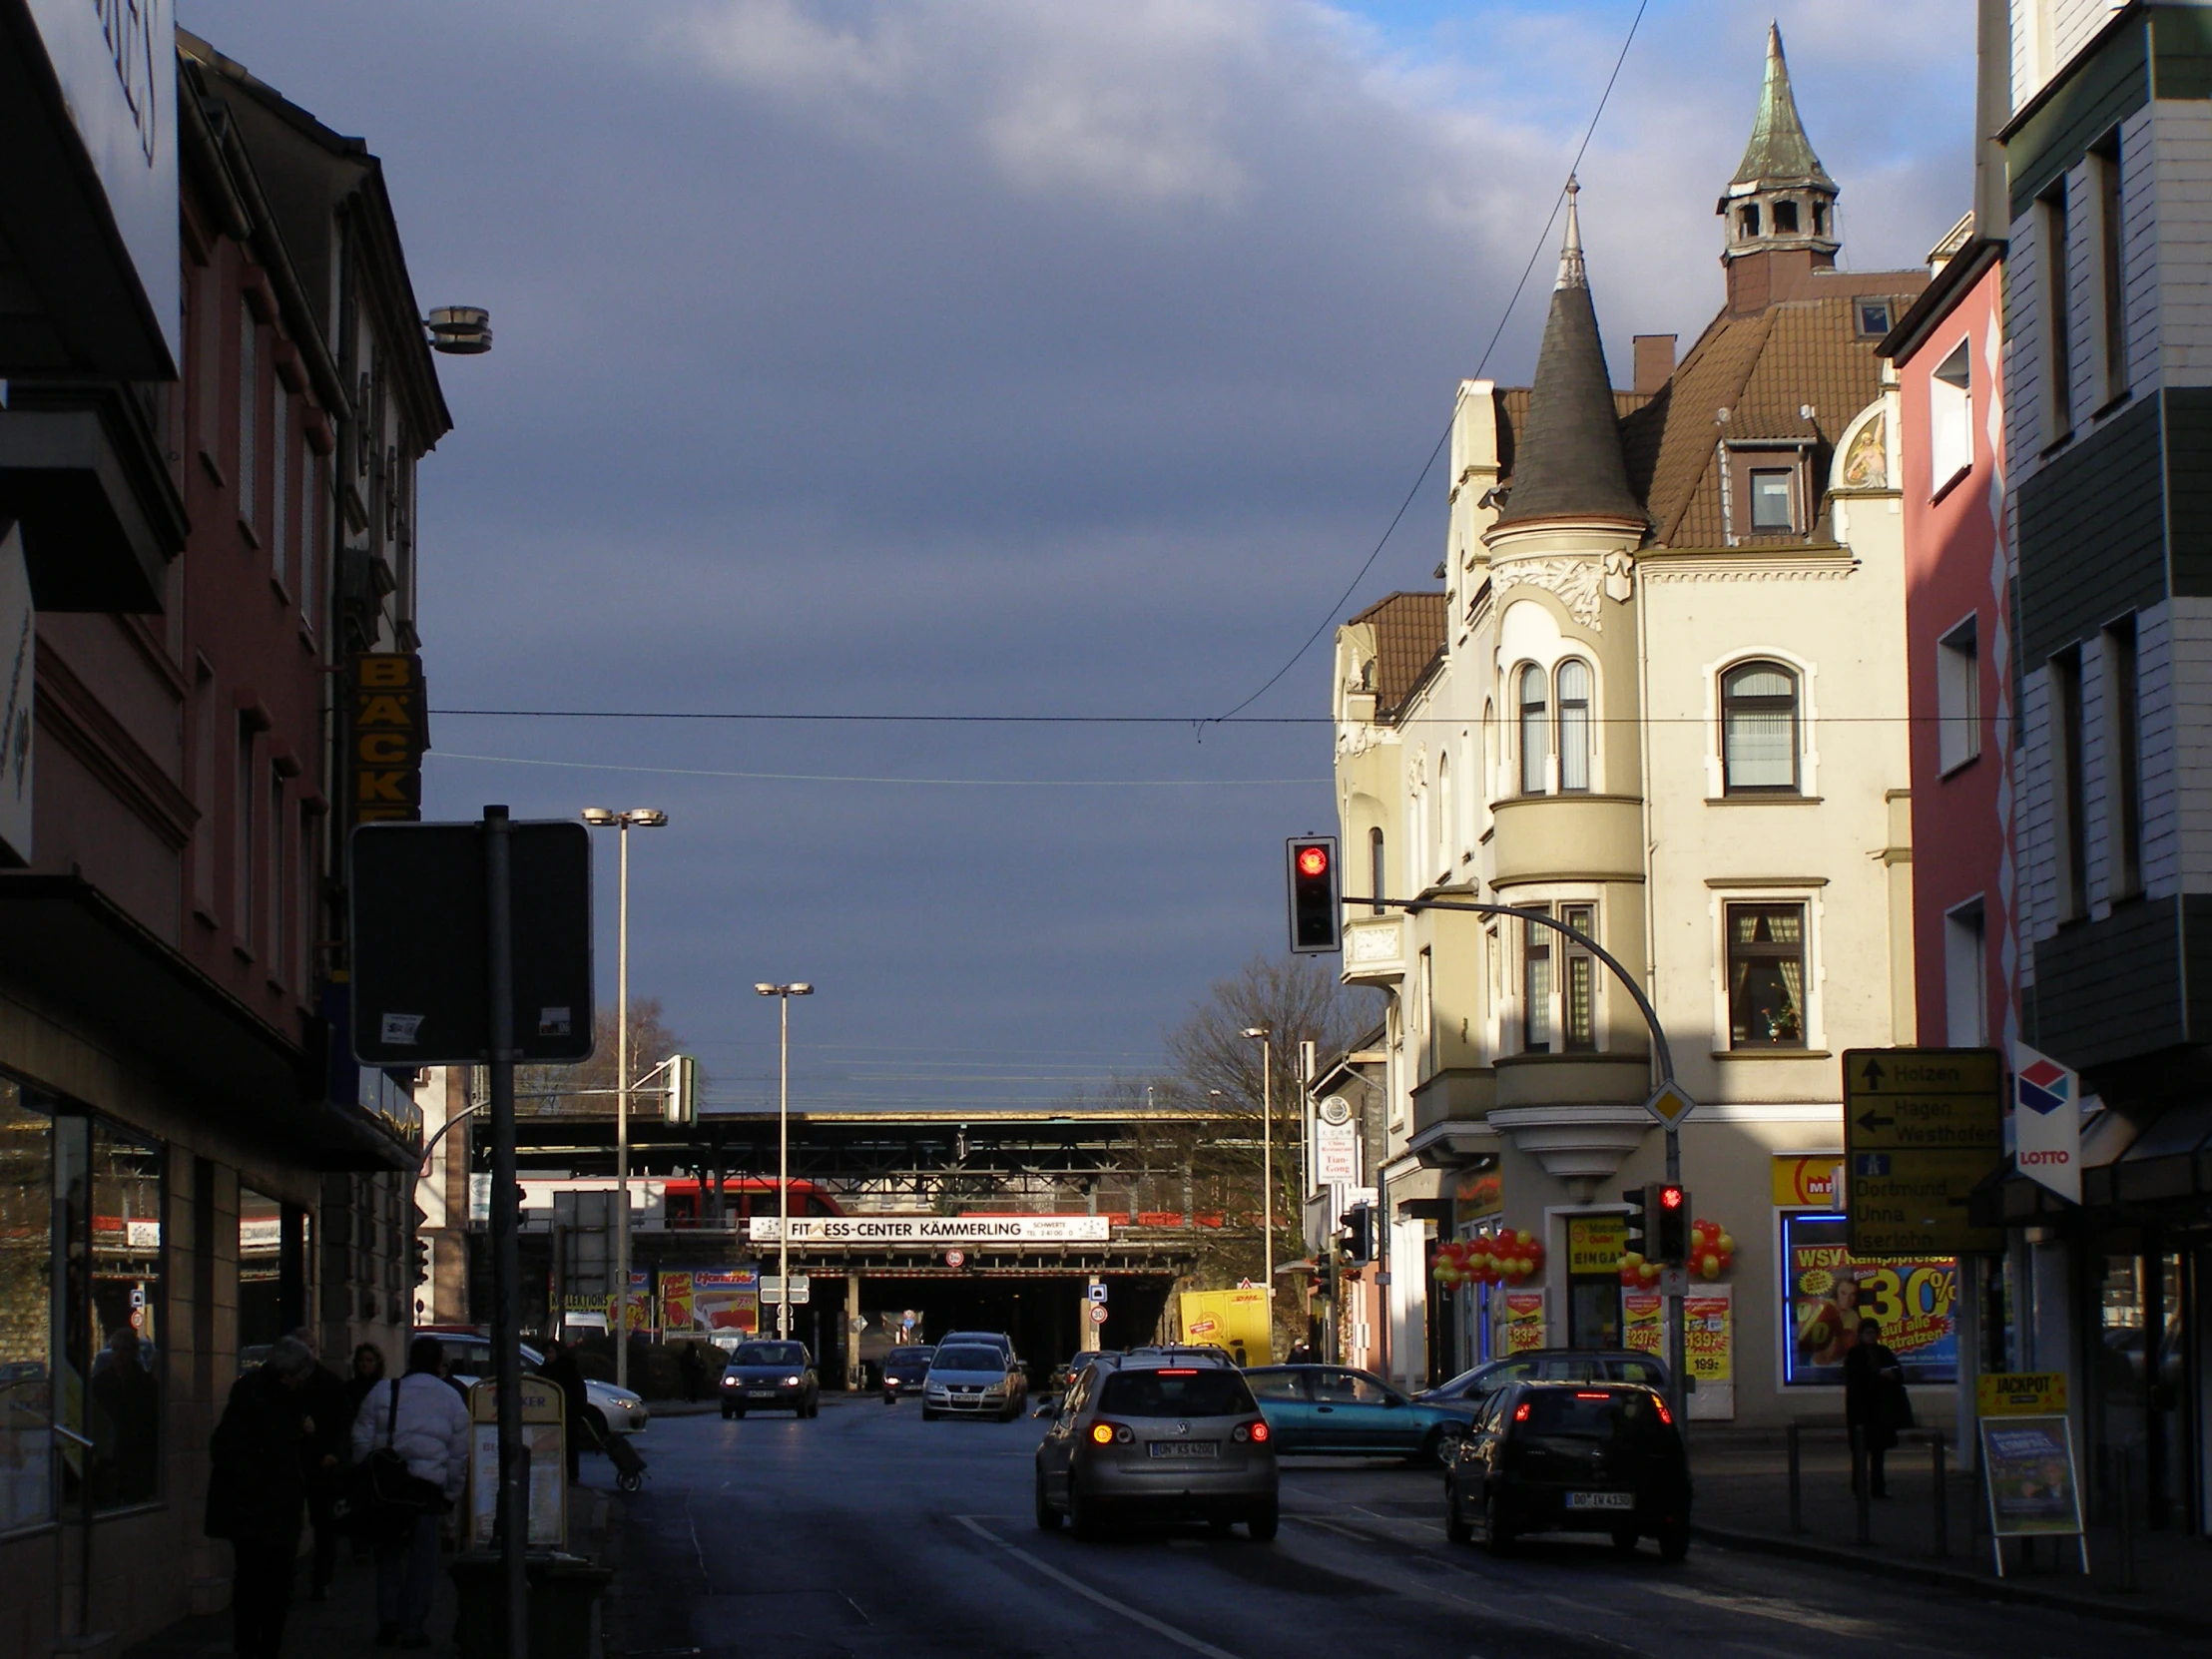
{"x": 189, "y": 1171}
{"x": 1662, "y": 700}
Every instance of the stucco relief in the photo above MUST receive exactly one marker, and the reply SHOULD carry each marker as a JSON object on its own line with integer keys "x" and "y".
{"x": 1577, "y": 584}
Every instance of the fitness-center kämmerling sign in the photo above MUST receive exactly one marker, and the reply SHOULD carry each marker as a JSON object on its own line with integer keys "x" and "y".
{"x": 898, "y": 1230}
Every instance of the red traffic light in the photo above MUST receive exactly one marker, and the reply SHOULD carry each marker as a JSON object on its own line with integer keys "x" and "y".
{"x": 1670, "y": 1197}
{"x": 1312, "y": 860}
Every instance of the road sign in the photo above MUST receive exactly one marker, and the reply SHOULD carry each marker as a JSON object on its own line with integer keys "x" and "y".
{"x": 1922, "y": 1127}
{"x": 856, "y": 1324}
{"x": 1674, "y": 1281}
{"x": 1098, "y": 1313}
{"x": 772, "y": 1290}
{"x": 1098, "y": 1292}
{"x": 1670, "y": 1104}
{"x": 955, "y": 1258}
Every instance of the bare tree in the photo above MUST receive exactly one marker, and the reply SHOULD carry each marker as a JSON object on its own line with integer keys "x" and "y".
{"x": 588, "y": 1091}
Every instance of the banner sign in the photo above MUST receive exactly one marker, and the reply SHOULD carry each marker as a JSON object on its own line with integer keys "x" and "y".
{"x": 1908, "y": 1302}
{"x": 2046, "y": 1122}
{"x": 935, "y": 1230}
{"x": 390, "y": 730}
{"x": 1595, "y": 1242}
{"x": 1337, "y": 1153}
{"x": 1525, "y": 1321}
{"x": 1644, "y": 1323}
{"x": 1807, "y": 1183}
{"x": 2030, "y": 1471}
{"x": 2020, "y": 1394}
{"x": 1709, "y": 1334}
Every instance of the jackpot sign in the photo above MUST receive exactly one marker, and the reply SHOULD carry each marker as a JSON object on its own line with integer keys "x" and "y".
{"x": 935, "y": 1229}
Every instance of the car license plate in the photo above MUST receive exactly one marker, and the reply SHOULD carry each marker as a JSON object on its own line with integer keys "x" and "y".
{"x": 760, "y": 1393}
{"x": 1602, "y": 1500}
{"x": 1185, "y": 1448}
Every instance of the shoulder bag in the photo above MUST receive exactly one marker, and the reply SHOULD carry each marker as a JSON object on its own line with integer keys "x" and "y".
{"x": 387, "y": 1495}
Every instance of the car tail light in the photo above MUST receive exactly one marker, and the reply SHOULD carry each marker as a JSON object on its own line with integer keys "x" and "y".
{"x": 1591, "y": 1394}
{"x": 1178, "y": 1370}
{"x": 1102, "y": 1433}
{"x": 1520, "y": 1411}
{"x": 1260, "y": 1432}
{"x": 1666, "y": 1416}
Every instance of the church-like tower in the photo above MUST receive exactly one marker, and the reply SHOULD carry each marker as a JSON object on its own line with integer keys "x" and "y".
{"x": 1780, "y": 209}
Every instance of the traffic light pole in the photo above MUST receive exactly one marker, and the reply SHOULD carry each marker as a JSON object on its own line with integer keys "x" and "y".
{"x": 511, "y": 1525}
{"x": 1660, "y": 1051}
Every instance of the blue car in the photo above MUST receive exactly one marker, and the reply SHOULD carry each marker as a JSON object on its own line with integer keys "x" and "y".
{"x": 1335, "y": 1410}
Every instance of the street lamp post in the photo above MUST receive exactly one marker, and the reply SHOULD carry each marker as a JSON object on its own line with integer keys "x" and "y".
{"x": 784, "y": 995}
{"x": 643, "y": 818}
{"x": 1265, "y": 1036}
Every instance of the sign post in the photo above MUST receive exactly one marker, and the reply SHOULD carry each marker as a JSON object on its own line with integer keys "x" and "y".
{"x": 1922, "y": 1127}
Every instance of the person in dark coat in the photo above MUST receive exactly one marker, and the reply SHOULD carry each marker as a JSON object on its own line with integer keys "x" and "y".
{"x": 328, "y": 1451}
{"x": 368, "y": 1371}
{"x": 693, "y": 1366}
{"x": 561, "y": 1368}
{"x": 1875, "y": 1405}
{"x": 258, "y": 1492}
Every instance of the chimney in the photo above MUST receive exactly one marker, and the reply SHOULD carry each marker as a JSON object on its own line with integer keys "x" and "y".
{"x": 1654, "y": 361}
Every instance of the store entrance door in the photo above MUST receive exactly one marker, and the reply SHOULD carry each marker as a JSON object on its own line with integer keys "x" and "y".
{"x": 1594, "y": 1245}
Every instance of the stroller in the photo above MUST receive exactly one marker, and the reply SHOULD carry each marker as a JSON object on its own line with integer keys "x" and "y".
{"x": 628, "y": 1466}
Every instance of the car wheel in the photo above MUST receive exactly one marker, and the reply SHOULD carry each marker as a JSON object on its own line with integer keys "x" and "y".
{"x": 1262, "y": 1523}
{"x": 1674, "y": 1541}
{"x": 727, "y": 1413}
{"x": 737, "y": 1411}
{"x": 1083, "y": 1516}
{"x": 1430, "y": 1452}
{"x": 1455, "y": 1524}
{"x": 1495, "y": 1532}
{"x": 1624, "y": 1539}
{"x": 1048, "y": 1518}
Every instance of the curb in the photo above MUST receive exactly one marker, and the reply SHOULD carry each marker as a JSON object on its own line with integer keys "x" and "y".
{"x": 1951, "y": 1578}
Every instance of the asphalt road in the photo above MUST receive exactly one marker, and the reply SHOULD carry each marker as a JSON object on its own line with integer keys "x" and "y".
{"x": 865, "y": 1532}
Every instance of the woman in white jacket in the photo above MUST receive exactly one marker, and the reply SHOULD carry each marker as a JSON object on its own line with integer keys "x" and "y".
{"x": 420, "y": 1417}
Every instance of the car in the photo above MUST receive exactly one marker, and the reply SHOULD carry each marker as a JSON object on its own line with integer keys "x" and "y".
{"x": 1002, "y": 1341}
{"x": 1569, "y": 1457}
{"x": 1470, "y": 1388}
{"x": 1335, "y": 1410}
{"x": 607, "y": 1409}
{"x": 770, "y": 1377}
{"x": 905, "y": 1367}
{"x": 973, "y": 1379}
{"x": 1179, "y": 1354}
{"x": 1144, "y": 1439}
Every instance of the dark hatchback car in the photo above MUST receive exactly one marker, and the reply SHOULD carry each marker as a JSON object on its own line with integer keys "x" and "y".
{"x": 770, "y": 1377}
{"x": 905, "y": 1368}
{"x": 1569, "y": 1458}
{"x": 1466, "y": 1392}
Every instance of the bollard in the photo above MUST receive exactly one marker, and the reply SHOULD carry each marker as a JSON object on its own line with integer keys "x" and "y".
{"x": 1860, "y": 1486}
{"x": 1942, "y": 1495}
{"x": 1797, "y": 1496}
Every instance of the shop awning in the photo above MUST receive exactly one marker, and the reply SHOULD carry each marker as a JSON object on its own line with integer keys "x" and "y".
{"x": 2127, "y": 1161}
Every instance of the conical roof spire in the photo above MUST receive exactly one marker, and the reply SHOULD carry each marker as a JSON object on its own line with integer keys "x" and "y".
{"x": 1779, "y": 152}
{"x": 1567, "y": 461}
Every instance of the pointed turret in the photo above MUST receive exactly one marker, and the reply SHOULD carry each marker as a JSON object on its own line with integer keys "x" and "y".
{"x": 1781, "y": 202}
{"x": 1567, "y": 461}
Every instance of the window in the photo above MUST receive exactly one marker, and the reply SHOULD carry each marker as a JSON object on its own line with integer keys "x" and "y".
{"x": 1447, "y": 818}
{"x": 1535, "y": 987}
{"x": 1759, "y": 730}
{"x": 1873, "y": 315}
{"x": 2123, "y": 708}
{"x": 1773, "y": 500}
{"x": 1785, "y": 218}
{"x": 1820, "y": 224}
{"x": 305, "y": 885}
{"x": 277, "y": 908}
{"x": 1965, "y": 977}
{"x": 26, "y": 1310}
{"x": 280, "y": 478}
{"x": 249, "y": 391}
{"x": 312, "y": 539}
{"x": 2104, "y": 167}
{"x": 1578, "y": 991}
{"x": 1912, "y": 1306}
{"x": 1535, "y": 732}
{"x": 1747, "y": 219}
{"x": 1489, "y": 781}
{"x": 207, "y": 750}
{"x": 113, "y": 1308}
{"x": 1575, "y": 725}
{"x": 1951, "y": 420}
{"x": 241, "y": 846}
{"x": 1766, "y": 976}
{"x": 1959, "y": 696}
{"x": 1375, "y": 888}
{"x": 1424, "y": 1009}
{"x": 2069, "y": 794}
{"x": 2058, "y": 326}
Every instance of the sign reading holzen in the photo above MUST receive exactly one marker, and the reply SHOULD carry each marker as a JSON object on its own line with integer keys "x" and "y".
{"x": 935, "y": 1229}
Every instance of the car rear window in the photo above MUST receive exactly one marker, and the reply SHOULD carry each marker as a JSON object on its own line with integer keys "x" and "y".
{"x": 970, "y": 1358}
{"x": 1646, "y": 1372}
{"x": 1199, "y": 1391}
{"x": 1601, "y": 1415}
{"x": 771, "y": 1353}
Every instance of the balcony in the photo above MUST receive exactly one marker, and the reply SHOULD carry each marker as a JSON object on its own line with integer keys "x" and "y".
{"x": 1374, "y": 950}
{"x": 1568, "y": 837}
{"x": 1450, "y": 1117}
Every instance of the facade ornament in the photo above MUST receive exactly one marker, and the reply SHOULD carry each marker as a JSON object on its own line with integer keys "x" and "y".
{"x": 1578, "y": 584}
{"x": 1867, "y": 461}
{"x": 1621, "y": 577}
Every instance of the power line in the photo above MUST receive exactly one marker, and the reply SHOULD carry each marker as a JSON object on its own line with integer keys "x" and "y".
{"x": 936, "y": 783}
{"x": 1187, "y": 722}
{"x": 1543, "y": 240}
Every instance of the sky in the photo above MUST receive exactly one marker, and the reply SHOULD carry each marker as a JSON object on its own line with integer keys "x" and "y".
{"x": 982, "y": 357}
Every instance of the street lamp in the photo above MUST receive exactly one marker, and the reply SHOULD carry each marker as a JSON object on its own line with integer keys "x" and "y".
{"x": 1265, "y": 1038}
{"x": 642, "y": 818}
{"x": 784, "y": 995}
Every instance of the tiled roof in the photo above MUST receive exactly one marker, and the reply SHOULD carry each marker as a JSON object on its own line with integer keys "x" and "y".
{"x": 1408, "y": 638}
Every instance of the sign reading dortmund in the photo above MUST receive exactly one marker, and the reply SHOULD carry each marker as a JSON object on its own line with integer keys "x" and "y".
{"x": 1922, "y": 1127}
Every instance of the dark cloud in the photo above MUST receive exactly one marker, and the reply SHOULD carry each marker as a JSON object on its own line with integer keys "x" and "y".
{"x": 973, "y": 355}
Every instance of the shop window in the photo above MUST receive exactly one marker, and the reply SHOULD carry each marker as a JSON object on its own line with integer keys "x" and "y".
{"x": 113, "y": 1305}
{"x": 1578, "y": 985}
{"x": 1759, "y": 730}
{"x": 1575, "y": 725}
{"x": 260, "y": 1275}
{"x": 1910, "y": 1302}
{"x": 26, "y": 1310}
{"x": 1766, "y": 976}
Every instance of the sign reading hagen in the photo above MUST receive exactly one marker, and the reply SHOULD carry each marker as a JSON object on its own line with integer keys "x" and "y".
{"x": 896, "y": 1229}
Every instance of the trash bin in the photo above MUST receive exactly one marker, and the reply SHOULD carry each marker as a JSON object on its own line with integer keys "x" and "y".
{"x": 564, "y": 1605}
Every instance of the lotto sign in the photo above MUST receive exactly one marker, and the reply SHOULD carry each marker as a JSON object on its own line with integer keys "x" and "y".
{"x": 2046, "y": 1122}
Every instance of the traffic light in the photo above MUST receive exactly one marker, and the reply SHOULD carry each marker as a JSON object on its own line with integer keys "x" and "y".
{"x": 1356, "y": 1244}
{"x": 1317, "y": 912}
{"x": 1640, "y": 1205}
{"x": 1670, "y": 1209}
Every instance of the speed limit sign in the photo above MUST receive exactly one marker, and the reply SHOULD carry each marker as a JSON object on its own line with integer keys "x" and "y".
{"x": 955, "y": 1258}
{"x": 1098, "y": 1313}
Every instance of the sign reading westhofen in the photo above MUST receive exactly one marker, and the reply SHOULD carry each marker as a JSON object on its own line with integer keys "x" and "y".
{"x": 935, "y": 1230}
{"x": 1922, "y": 1127}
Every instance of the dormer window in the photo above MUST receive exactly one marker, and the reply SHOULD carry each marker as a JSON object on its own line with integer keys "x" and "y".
{"x": 1765, "y": 491}
{"x": 1747, "y": 218}
{"x": 1773, "y": 500}
{"x": 1785, "y": 218}
{"x": 1874, "y": 318}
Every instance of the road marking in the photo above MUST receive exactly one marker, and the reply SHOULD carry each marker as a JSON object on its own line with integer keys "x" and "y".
{"x": 1180, "y": 1638}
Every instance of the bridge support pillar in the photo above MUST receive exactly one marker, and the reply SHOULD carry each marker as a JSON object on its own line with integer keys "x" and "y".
{"x": 855, "y": 1375}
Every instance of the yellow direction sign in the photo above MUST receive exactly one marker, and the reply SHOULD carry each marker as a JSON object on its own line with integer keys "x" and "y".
{"x": 1922, "y": 1127}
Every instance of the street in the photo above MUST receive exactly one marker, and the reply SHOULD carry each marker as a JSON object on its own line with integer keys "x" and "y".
{"x": 865, "y": 1533}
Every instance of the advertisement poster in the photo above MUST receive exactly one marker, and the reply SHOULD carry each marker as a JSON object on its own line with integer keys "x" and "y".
{"x": 1479, "y": 1191}
{"x": 1709, "y": 1334}
{"x": 2030, "y": 1464}
{"x": 1831, "y": 1296}
{"x": 1595, "y": 1242}
{"x": 1643, "y": 1323}
{"x": 1524, "y": 1321}
{"x": 708, "y": 1301}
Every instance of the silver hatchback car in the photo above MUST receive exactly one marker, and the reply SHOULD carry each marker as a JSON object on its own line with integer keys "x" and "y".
{"x": 1167, "y": 1440}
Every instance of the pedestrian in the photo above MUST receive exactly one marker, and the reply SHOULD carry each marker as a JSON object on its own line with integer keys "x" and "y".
{"x": 368, "y": 1371}
{"x": 422, "y": 1419}
{"x": 1875, "y": 1405}
{"x": 560, "y": 1367}
{"x": 329, "y": 1407}
{"x": 258, "y": 1492}
{"x": 693, "y": 1366}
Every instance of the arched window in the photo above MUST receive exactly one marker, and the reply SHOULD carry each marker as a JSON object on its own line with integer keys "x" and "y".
{"x": 1487, "y": 781}
{"x": 1375, "y": 888}
{"x": 1535, "y": 732}
{"x": 1759, "y": 730}
{"x": 1447, "y": 817}
{"x": 1575, "y": 725}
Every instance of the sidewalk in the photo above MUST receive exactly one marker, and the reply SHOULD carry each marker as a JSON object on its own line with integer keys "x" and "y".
{"x": 1742, "y": 1502}
{"x": 344, "y": 1627}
